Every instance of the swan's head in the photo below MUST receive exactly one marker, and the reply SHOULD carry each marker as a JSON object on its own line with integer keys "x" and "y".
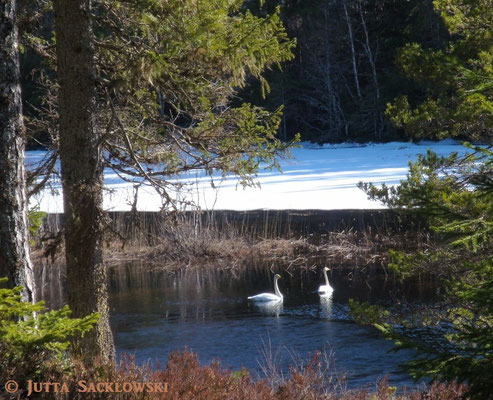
{"x": 327, "y": 269}
{"x": 277, "y": 276}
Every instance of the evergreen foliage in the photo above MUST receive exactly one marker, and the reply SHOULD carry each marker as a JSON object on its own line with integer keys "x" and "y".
{"x": 455, "y": 193}
{"x": 459, "y": 77}
{"x": 30, "y": 336}
{"x": 168, "y": 73}
{"x": 35, "y": 218}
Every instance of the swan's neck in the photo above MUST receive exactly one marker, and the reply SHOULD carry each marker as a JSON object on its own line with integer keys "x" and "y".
{"x": 276, "y": 288}
{"x": 326, "y": 278}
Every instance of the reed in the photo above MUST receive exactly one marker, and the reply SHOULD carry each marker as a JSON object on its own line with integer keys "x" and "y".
{"x": 297, "y": 239}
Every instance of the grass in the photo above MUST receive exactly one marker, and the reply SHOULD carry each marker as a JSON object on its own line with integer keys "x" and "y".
{"x": 186, "y": 379}
{"x": 205, "y": 239}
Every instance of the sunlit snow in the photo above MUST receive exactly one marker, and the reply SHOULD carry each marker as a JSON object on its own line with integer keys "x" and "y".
{"x": 316, "y": 178}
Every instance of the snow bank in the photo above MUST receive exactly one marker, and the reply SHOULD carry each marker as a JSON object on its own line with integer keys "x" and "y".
{"x": 318, "y": 177}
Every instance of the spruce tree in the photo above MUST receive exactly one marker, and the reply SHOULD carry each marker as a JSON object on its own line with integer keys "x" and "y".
{"x": 455, "y": 194}
{"x": 146, "y": 88}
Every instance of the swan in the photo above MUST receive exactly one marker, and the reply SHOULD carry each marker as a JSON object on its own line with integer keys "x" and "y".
{"x": 269, "y": 297}
{"x": 325, "y": 289}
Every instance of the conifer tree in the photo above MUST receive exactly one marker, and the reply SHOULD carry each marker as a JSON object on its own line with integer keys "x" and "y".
{"x": 146, "y": 88}
{"x": 81, "y": 172}
{"x": 168, "y": 74}
{"x": 455, "y": 193}
{"x": 459, "y": 77}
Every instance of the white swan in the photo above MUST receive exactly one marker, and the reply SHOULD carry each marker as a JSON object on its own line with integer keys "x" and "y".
{"x": 268, "y": 297}
{"x": 325, "y": 289}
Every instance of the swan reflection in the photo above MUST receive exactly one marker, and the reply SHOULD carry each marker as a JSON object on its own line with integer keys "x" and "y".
{"x": 269, "y": 307}
{"x": 326, "y": 305}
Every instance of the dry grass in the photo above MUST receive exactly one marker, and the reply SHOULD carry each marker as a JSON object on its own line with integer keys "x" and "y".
{"x": 186, "y": 379}
{"x": 210, "y": 247}
{"x": 190, "y": 240}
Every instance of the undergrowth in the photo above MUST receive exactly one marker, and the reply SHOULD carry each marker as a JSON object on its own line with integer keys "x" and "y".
{"x": 184, "y": 246}
{"x": 184, "y": 378}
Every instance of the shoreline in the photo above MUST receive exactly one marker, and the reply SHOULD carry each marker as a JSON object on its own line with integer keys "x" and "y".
{"x": 355, "y": 239}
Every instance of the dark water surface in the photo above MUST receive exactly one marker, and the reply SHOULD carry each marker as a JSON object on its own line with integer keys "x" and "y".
{"x": 154, "y": 313}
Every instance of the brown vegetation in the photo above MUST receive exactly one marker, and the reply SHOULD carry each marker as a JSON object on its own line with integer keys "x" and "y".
{"x": 191, "y": 239}
{"x": 184, "y": 378}
{"x": 187, "y": 245}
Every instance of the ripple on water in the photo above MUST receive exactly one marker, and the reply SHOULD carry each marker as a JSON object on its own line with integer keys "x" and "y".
{"x": 214, "y": 319}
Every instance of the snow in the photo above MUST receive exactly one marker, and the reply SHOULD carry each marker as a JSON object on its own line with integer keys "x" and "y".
{"x": 318, "y": 177}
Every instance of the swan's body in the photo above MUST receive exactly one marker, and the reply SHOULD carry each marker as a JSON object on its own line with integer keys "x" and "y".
{"x": 269, "y": 297}
{"x": 325, "y": 289}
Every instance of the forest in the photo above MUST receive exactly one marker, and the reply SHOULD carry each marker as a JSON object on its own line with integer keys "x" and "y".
{"x": 346, "y": 69}
{"x": 151, "y": 89}
{"x": 348, "y": 66}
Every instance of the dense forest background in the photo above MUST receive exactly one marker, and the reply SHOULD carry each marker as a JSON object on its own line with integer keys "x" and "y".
{"x": 345, "y": 70}
{"x": 343, "y": 75}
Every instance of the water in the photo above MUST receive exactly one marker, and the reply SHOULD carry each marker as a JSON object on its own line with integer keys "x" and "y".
{"x": 154, "y": 313}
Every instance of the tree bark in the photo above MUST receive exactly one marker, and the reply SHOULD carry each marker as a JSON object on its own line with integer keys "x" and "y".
{"x": 378, "y": 116}
{"x": 82, "y": 173}
{"x": 353, "y": 53}
{"x": 15, "y": 261}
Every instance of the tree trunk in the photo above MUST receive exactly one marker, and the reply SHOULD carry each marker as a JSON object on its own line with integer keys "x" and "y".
{"x": 372, "y": 57}
{"x": 82, "y": 173}
{"x": 335, "y": 114}
{"x": 15, "y": 261}
{"x": 353, "y": 53}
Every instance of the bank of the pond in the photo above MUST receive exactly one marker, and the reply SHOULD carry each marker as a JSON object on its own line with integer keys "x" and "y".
{"x": 224, "y": 239}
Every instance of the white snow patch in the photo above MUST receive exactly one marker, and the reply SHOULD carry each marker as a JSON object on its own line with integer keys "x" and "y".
{"x": 318, "y": 177}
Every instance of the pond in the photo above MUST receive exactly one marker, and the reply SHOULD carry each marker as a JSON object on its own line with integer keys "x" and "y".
{"x": 154, "y": 313}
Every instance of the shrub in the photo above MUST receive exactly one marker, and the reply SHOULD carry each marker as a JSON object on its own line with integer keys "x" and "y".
{"x": 186, "y": 379}
{"x": 456, "y": 194}
{"x": 31, "y": 337}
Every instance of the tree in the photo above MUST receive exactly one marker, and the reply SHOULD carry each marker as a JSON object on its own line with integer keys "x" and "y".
{"x": 456, "y": 195}
{"x": 459, "y": 100}
{"x": 337, "y": 86}
{"x": 170, "y": 71}
{"x": 339, "y": 99}
{"x": 146, "y": 88}
{"x": 15, "y": 261}
{"x": 81, "y": 172}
